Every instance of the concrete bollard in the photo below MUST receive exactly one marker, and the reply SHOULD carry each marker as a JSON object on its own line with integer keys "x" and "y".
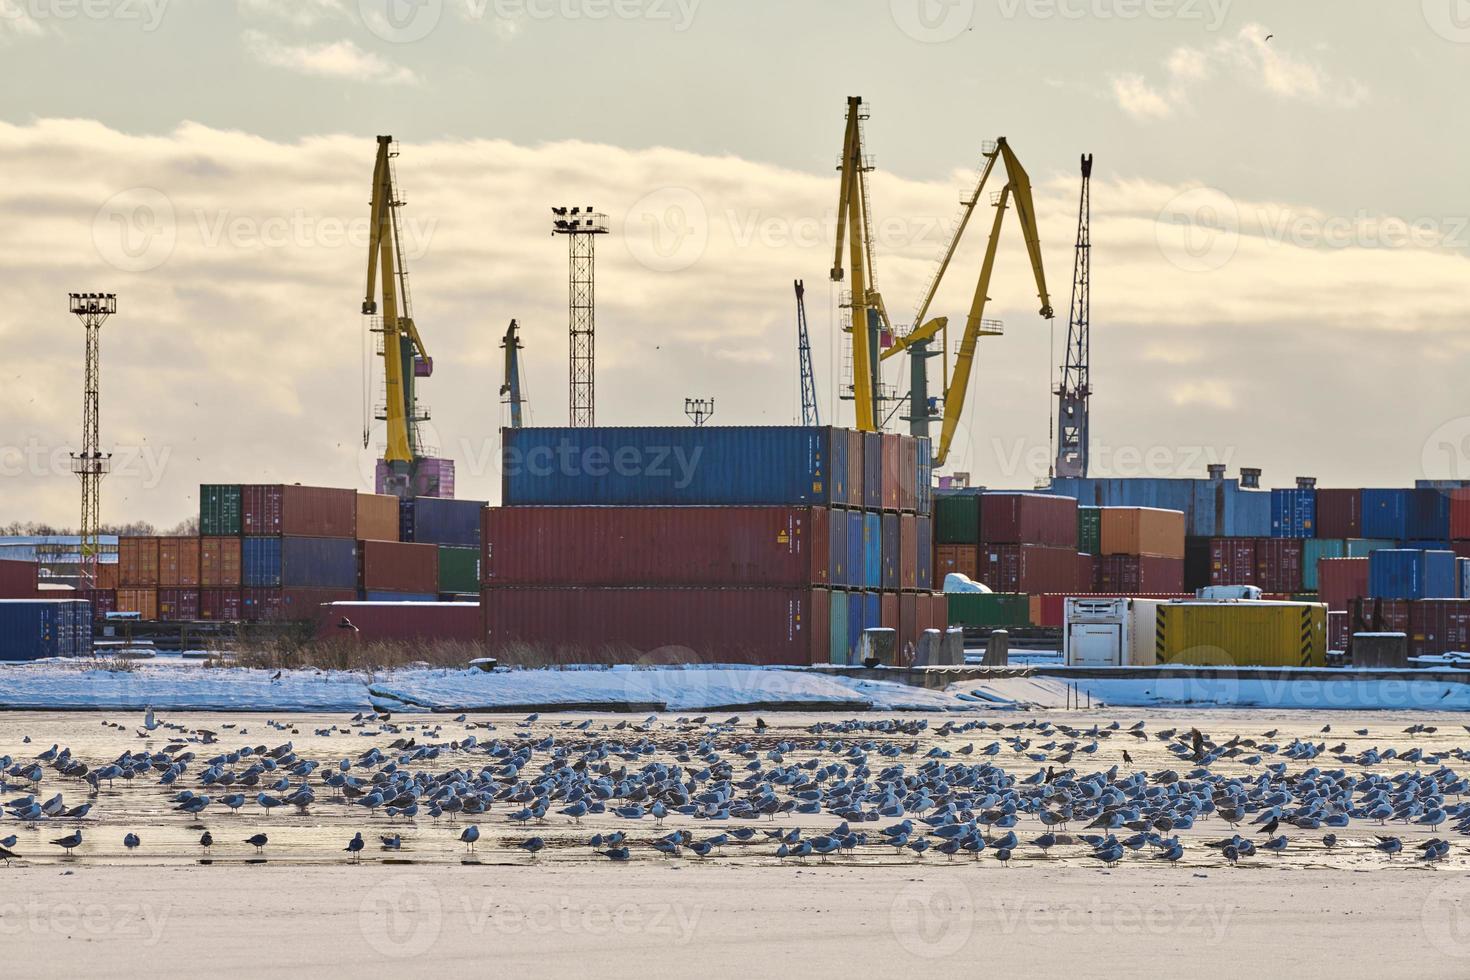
{"x": 998, "y": 649}
{"x": 953, "y": 651}
{"x": 1378, "y": 650}
{"x": 877, "y": 647}
{"x": 927, "y": 653}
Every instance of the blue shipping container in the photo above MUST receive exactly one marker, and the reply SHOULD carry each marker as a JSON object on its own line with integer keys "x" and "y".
{"x": 872, "y": 610}
{"x": 375, "y": 596}
{"x": 1463, "y": 565}
{"x": 1428, "y": 515}
{"x": 837, "y": 548}
{"x": 31, "y": 629}
{"x": 1294, "y": 513}
{"x": 1386, "y": 514}
{"x": 873, "y": 470}
{"x": 837, "y": 472}
{"x": 435, "y": 520}
{"x": 925, "y": 526}
{"x": 872, "y": 551}
{"x": 854, "y": 624}
{"x": 667, "y": 465}
{"x": 890, "y": 553}
{"x": 291, "y": 562}
{"x": 857, "y": 557}
{"x": 1211, "y": 508}
{"x": 1398, "y": 573}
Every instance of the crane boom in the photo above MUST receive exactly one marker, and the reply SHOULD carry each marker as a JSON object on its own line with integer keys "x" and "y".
{"x": 510, "y": 389}
{"x": 809, "y": 415}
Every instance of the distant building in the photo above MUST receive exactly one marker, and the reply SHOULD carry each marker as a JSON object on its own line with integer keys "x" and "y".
{"x": 59, "y": 555}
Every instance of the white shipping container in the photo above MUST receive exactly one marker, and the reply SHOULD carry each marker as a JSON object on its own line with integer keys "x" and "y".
{"x": 1109, "y": 632}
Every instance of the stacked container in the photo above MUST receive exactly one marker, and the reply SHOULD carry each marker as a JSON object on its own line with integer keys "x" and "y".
{"x": 1028, "y": 543}
{"x": 1140, "y": 551}
{"x": 298, "y": 550}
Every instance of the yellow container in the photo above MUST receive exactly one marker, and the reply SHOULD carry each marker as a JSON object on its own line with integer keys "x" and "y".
{"x": 1241, "y": 634}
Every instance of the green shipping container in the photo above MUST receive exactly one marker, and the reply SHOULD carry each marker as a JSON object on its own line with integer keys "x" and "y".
{"x": 459, "y": 569}
{"x": 1089, "y": 530}
{"x": 988, "y": 609}
{"x": 838, "y": 628}
{"x": 1363, "y": 547}
{"x": 219, "y": 509}
{"x": 1313, "y": 551}
{"x": 957, "y": 519}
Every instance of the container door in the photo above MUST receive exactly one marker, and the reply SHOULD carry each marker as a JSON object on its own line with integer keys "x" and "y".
{"x": 1095, "y": 645}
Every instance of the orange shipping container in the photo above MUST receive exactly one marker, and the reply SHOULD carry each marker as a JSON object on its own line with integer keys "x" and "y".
{"x": 219, "y": 562}
{"x": 107, "y": 576}
{"x": 144, "y": 602}
{"x": 377, "y": 517}
{"x": 1142, "y": 531}
{"x": 178, "y": 562}
{"x": 137, "y": 561}
{"x": 963, "y": 559}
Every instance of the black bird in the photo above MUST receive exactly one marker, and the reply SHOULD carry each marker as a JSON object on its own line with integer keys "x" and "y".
{"x": 6, "y": 854}
{"x": 1127, "y": 759}
{"x": 1270, "y": 827}
{"x": 206, "y": 840}
{"x": 258, "y": 841}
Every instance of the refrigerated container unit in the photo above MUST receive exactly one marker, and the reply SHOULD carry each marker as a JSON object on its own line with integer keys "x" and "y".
{"x": 1148, "y": 632}
{"x": 219, "y": 509}
{"x": 297, "y": 511}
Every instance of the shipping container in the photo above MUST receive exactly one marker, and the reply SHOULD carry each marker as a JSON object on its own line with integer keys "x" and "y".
{"x": 661, "y": 625}
{"x": 956, "y": 559}
{"x": 1028, "y": 518}
{"x": 924, "y": 555}
{"x": 398, "y": 566}
{"x": 872, "y": 610}
{"x": 401, "y": 622}
{"x": 1294, "y": 513}
{"x": 1140, "y": 531}
{"x": 892, "y": 460}
{"x": 1197, "y": 563}
{"x": 1341, "y": 580}
{"x": 837, "y": 555}
{"x": 219, "y": 562}
{"x": 290, "y": 605}
{"x": 872, "y": 551}
{"x": 1462, "y": 576}
{"x": 873, "y": 471}
{"x": 1428, "y": 516}
{"x": 106, "y": 574}
{"x": 837, "y": 651}
{"x": 1313, "y": 551}
{"x": 1139, "y": 575}
{"x": 988, "y": 610}
{"x": 219, "y": 509}
{"x": 102, "y": 601}
{"x": 1089, "y": 530}
{"x": 1337, "y": 630}
{"x": 1233, "y": 561}
{"x": 377, "y": 517}
{"x": 137, "y": 560}
{"x": 387, "y": 595}
{"x": 1396, "y": 573}
{"x": 909, "y": 629}
{"x": 144, "y": 602}
{"x": 459, "y": 570}
{"x": 857, "y": 556}
{"x": 1242, "y": 634}
{"x": 1089, "y": 572}
{"x": 856, "y": 468}
{"x": 855, "y": 602}
{"x": 925, "y": 486}
{"x": 32, "y": 629}
{"x": 176, "y": 605}
{"x": 430, "y": 520}
{"x": 1459, "y": 514}
{"x": 178, "y": 562}
{"x": 1439, "y": 626}
{"x": 891, "y": 552}
{"x": 18, "y": 579}
{"x": 1211, "y": 508}
{"x": 1367, "y": 615}
{"x": 221, "y": 605}
{"x": 1027, "y": 568}
{"x": 957, "y": 518}
{"x": 908, "y": 548}
{"x": 1049, "y": 610}
{"x": 1386, "y": 514}
{"x": 908, "y": 473}
{"x": 1339, "y": 513}
{"x": 888, "y": 612}
{"x": 291, "y": 509}
{"x": 707, "y": 464}
{"x": 299, "y": 563}
{"x": 1279, "y": 564}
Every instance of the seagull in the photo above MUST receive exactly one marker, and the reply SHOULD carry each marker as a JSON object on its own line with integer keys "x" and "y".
{"x": 131, "y": 841}
{"x": 391, "y": 843}
{"x": 469, "y": 835}
{"x": 206, "y": 840}
{"x": 258, "y": 842}
{"x": 354, "y": 846}
{"x": 69, "y": 841}
{"x": 532, "y": 845}
{"x": 6, "y": 854}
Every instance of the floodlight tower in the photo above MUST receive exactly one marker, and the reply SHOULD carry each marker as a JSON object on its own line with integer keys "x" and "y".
{"x": 581, "y": 226}
{"x": 91, "y": 464}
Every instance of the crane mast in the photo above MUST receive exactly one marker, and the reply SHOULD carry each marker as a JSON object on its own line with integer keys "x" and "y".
{"x": 1075, "y": 386}
{"x": 510, "y": 390}
{"x": 809, "y": 415}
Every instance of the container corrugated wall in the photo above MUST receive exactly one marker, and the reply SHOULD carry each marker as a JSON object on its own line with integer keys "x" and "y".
{"x": 1139, "y": 531}
{"x": 459, "y": 569}
{"x": 398, "y": 566}
{"x": 1395, "y": 573}
{"x": 219, "y": 562}
{"x": 430, "y": 520}
{"x": 178, "y": 562}
{"x": 377, "y": 517}
{"x": 1294, "y": 513}
{"x": 296, "y": 562}
{"x": 1242, "y": 634}
{"x": 272, "y": 508}
{"x": 403, "y": 621}
{"x": 872, "y": 551}
{"x": 1029, "y": 519}
{"x": 957, "y": 518}
{"x": 219, "y": 509}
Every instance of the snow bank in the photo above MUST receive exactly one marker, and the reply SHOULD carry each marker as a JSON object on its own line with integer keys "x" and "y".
{"x": 61, "y": 685}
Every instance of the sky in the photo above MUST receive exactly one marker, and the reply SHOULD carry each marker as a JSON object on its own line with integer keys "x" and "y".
{"x": 1280, "y": 224}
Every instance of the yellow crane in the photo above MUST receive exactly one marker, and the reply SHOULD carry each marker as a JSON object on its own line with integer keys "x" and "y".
{"x": 956, "y": 381}
{"x": 404, "y": 356}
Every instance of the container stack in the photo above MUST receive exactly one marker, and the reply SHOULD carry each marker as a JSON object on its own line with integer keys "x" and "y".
{"x": 1140, "y": 551}
{"x": 763, "y": 545}
{"x": 452, "y": 528}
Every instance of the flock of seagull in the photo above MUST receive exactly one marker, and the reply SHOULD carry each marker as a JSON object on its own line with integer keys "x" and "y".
{"x": 888, "y": 786}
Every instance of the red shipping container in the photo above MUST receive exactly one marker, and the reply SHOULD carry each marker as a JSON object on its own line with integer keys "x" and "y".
{"x": 314, "y": 512}
{"x": 18, "y": 579}
{"x": 892, "y": 454}
{"x": 1138, "y": 575}
{"x": 178, "y": 562}
{"x": 1341, "y": 580}
{"x": 1279, "y": 564}
{"x": 103, "y": 601}
{"x": 1460, "y": 548}
{"x": 908, "y": 627}
{"x": 1233, "y": 561}
{"x": 177, "y": 605}
{"x": 1088, "y": 570}
{"x": 1439, "y": 626}
{"x": 1339, "y": 513}
{"x": 888, "y": 610}
{"x": 219, "y": 562}
{"x": 1028, "y": 569}
{"x": 106, "y": 575}
{"x": 675, "y": 546}
{"x": 1378, "y": 616}
{"x": 662, "y": 625}
{"x": 137, "y": 560}
{"x": 1029, "y": 518}
{"x": 289, "y": 605}
{"x": 937, "y": 616}
{"x": 402, "y": 621}
{"x": 908, "y": 548}
{"x": 908, "y": 473}
{"x": 222, "y": 605}
{"x": 1460, "y": 514}
{"x": 396, "y": 566}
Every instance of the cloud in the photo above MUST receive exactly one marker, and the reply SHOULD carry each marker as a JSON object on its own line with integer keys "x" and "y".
{"x": 16, "y": 21}
{"x": 237, "y": 353}
{"x": 297, "y": 13}
{"x": 1268, "y": 66}
{"x": 336, "y": 59}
